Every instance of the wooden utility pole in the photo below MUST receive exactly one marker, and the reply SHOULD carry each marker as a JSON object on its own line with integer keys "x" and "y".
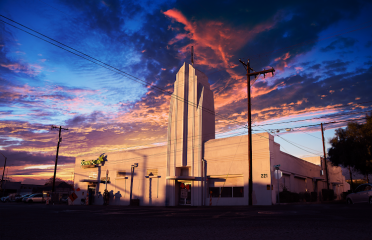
{"x": 325, "y": 159}
{"x": 249, "y": 74}
{"x": 55, "y": 165}
{"x": 2, "y": 178}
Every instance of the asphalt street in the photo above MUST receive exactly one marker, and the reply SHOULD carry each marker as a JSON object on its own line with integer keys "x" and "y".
{"x": 299, "y": 221}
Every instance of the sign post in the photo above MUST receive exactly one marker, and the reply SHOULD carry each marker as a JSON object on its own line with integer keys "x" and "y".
{"x": 107, "y": 171}
{"x": 278, "y": 175}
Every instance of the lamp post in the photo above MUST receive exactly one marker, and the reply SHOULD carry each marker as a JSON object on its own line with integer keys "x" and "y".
{"x": 131, "y": 181}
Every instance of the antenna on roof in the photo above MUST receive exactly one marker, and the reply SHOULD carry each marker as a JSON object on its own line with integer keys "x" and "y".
{"x": 192, "y": 55}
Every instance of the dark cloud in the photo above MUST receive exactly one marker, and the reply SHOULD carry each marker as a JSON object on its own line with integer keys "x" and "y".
{"x": 336, "y": 65}
{"x": 90, "y": 118}
{"x": 106, "y": 16}
{"x": 339, "y": 89}
{"x": 22, "y": 158}
{"x": 368, "y": 44}
{"x": 340, "y": 43}
{"x": 315, "y": 66}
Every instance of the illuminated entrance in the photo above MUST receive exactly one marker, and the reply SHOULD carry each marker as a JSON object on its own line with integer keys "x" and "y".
{"x": 184, "y": 193}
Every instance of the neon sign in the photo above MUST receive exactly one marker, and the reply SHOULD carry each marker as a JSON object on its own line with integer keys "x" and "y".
{"x": 99, "y": 160}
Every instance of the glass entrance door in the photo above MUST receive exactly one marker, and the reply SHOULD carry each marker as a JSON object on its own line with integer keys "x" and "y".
{"x": 184, "y": 193}
{"x": 91, "y": 192}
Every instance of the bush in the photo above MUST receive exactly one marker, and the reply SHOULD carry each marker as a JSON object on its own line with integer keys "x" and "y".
{"x": 288, "y": 197}
{"x": 301, "y": 196}
{"x": 314, "y": 196}
{"x": 295, "y": 197}
{"x": 328, "y": 195}
{"x": 285, "y": 197}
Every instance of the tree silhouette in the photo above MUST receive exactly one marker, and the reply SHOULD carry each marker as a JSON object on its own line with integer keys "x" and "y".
{"x": 352, "y": 147}
{"x": 50, "y": 181}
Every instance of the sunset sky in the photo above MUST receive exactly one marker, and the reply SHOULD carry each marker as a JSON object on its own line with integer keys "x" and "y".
{"x": 96, "y": 67}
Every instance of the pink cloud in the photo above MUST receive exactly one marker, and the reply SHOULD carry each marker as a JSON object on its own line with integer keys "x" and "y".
{"x": 213, "y": 41}
{"x": 30, "y": 69}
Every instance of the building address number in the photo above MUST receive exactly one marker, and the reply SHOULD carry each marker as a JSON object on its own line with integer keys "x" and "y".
{"x": 264, "y": 175}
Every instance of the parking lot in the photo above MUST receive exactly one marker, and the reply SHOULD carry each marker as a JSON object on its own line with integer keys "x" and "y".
{"x": 298, "y": 221}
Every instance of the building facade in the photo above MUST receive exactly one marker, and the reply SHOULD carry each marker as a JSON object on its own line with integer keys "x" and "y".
{"x": 196, "y": 169}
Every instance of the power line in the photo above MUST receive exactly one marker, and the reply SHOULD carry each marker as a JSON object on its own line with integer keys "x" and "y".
{"x": 312, "y": 125}
{"x": 311, "y": 135}
{"x": 109, "y": 67}
{"x": 128, "y": 75}
{"x": 290, "y": 142}
{"x": 308, "y": 119}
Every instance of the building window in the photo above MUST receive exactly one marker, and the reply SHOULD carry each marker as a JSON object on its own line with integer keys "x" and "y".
{"x": 214, "y": 191}
{"x": 226, "y": 192}
{"x": 238, "y": 192}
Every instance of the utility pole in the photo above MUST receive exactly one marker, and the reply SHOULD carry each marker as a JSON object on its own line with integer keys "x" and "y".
{"x": 2, "y": 178}
{"x": 55, "y": 165}
{"x": 324, "y": 154}
{"x": 249, "y": 74}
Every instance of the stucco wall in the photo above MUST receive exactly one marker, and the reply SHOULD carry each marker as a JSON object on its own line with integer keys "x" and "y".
{"x": 227, "y": 165}
{"x": 119, "y": 187}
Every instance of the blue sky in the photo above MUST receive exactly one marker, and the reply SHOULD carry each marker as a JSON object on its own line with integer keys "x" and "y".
{"x": 321, "y": 52}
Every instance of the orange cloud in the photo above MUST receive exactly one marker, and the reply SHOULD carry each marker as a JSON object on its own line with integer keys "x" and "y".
{"x": 213, "y": 41}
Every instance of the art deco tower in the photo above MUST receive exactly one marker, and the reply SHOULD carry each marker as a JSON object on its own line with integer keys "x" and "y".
{"x": 191, "y": 123}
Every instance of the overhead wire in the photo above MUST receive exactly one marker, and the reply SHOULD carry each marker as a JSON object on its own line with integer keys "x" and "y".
{"x": 311, "y": 125}
{"x": 125, "y": 74}
{"x": 107, "y": 66}
{"x": 150, "y": 85}
{"x": 308, "y": 119}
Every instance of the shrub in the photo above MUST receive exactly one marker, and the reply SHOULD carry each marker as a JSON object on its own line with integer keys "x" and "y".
{"x": 295, "y": 197}
{"x": 328, "y": 195}
{"x": 285, "y": 197}
{"x": 314, "y": 196}
{"x": 301, "y": 196}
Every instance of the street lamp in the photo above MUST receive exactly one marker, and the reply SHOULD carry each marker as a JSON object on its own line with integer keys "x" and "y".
{"x": 131, "y": 181}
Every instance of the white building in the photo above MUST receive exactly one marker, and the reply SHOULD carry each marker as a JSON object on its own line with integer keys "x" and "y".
{"x": 195, "y": 168}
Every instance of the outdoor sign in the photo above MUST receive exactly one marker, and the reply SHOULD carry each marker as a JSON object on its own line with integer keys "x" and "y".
{"x": 73, "y": 196}
{"x": 94, "y": 163}
{"x": 278, "y": 174}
